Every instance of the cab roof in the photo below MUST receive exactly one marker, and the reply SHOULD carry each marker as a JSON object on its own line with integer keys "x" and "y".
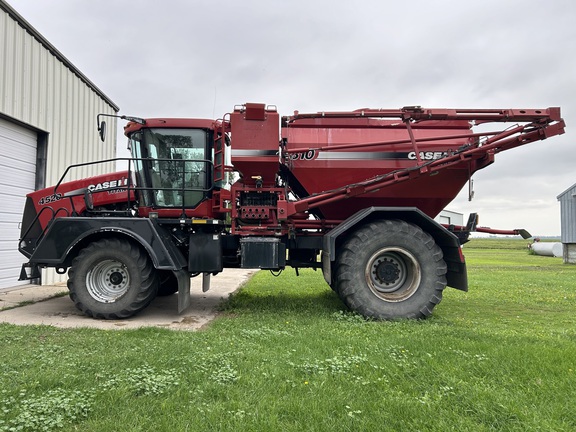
{"x": 181, "y": 123}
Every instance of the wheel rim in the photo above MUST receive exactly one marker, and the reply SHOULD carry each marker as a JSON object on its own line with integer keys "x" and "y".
{"x": 108, "y": 281}
{"x": 393, "y": 274}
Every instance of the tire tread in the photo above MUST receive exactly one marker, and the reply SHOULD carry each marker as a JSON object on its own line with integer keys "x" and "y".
{"x": 146, "y": 291}
{"x": 352, "y": 290}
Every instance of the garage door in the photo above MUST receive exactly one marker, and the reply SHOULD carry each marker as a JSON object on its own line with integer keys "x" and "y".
{"x": 17, "y": 178}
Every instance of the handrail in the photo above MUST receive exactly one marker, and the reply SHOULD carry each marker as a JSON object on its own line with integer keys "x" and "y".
{"x": 132, "y": 168}
{"x": 36, "y": 219}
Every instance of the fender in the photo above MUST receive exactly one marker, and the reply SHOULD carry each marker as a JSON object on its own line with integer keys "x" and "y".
{"x": 456, "y": 276}
{"x": 66, "y": 236}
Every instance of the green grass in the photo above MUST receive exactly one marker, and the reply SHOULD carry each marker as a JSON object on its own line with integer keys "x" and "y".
{"x": 286, "y": 356}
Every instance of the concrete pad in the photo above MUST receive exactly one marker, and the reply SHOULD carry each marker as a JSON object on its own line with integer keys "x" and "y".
{"x": 38, "y": 306}
{"x": 22, "y": 295}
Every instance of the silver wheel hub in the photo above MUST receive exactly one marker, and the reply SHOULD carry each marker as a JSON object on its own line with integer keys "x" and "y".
{"x": 393, "y": 274}
{"x": 108, "y": 281}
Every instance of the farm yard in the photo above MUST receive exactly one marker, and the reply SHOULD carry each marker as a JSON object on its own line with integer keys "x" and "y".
{"x": 284, "y": 354}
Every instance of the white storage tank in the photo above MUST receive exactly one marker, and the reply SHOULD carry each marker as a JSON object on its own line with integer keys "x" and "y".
{"x": 554, "y": 249}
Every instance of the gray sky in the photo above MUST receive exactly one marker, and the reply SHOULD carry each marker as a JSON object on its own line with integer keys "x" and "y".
{"x": 184, "y": 58}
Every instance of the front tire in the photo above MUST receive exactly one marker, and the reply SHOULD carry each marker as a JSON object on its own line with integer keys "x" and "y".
{"x": 391, "y": 269}
{"x": 112, "y": 279}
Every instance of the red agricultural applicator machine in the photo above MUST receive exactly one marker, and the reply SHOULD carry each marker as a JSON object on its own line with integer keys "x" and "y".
{"x": 353, "y": 193}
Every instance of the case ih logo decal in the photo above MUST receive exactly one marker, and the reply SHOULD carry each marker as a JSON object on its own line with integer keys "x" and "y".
{"x": 112, "y": 184}
{"x": 427, "y": 155}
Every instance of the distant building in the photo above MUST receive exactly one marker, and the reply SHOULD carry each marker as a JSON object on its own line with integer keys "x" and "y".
{"x": 48, "y": 114}
{"x": 568, "y": 223}
{"x": 447, "y": 217}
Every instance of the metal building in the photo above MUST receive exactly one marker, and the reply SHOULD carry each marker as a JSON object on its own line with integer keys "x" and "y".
{"x": 448, "y": 217}
{"x": 568, "y": 223}
{"x": 48, "y": 114}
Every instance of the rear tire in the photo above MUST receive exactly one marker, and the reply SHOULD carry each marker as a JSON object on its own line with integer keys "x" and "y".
{"x": 391, "y": 269}
{"x": 112, "y": 279}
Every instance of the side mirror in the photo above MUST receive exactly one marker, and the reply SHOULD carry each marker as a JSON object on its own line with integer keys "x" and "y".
{"x": 102, "y": 124}
{"x": 102, "y": 130}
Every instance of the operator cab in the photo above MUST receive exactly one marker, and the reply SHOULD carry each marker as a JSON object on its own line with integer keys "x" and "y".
{"x": 171, "y": 166}
{"x": 178, "y": 166}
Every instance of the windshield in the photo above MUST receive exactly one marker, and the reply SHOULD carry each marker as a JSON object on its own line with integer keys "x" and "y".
{"x": 176, "y": 168}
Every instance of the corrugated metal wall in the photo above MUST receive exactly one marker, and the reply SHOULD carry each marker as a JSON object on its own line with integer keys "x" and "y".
{"x": 40, "y": 88}
{"x": 568, "y": 215}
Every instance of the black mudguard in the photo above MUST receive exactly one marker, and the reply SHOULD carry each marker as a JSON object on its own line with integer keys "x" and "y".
{"x": 447, "y": 241}
{"x": 66, "y": 236}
